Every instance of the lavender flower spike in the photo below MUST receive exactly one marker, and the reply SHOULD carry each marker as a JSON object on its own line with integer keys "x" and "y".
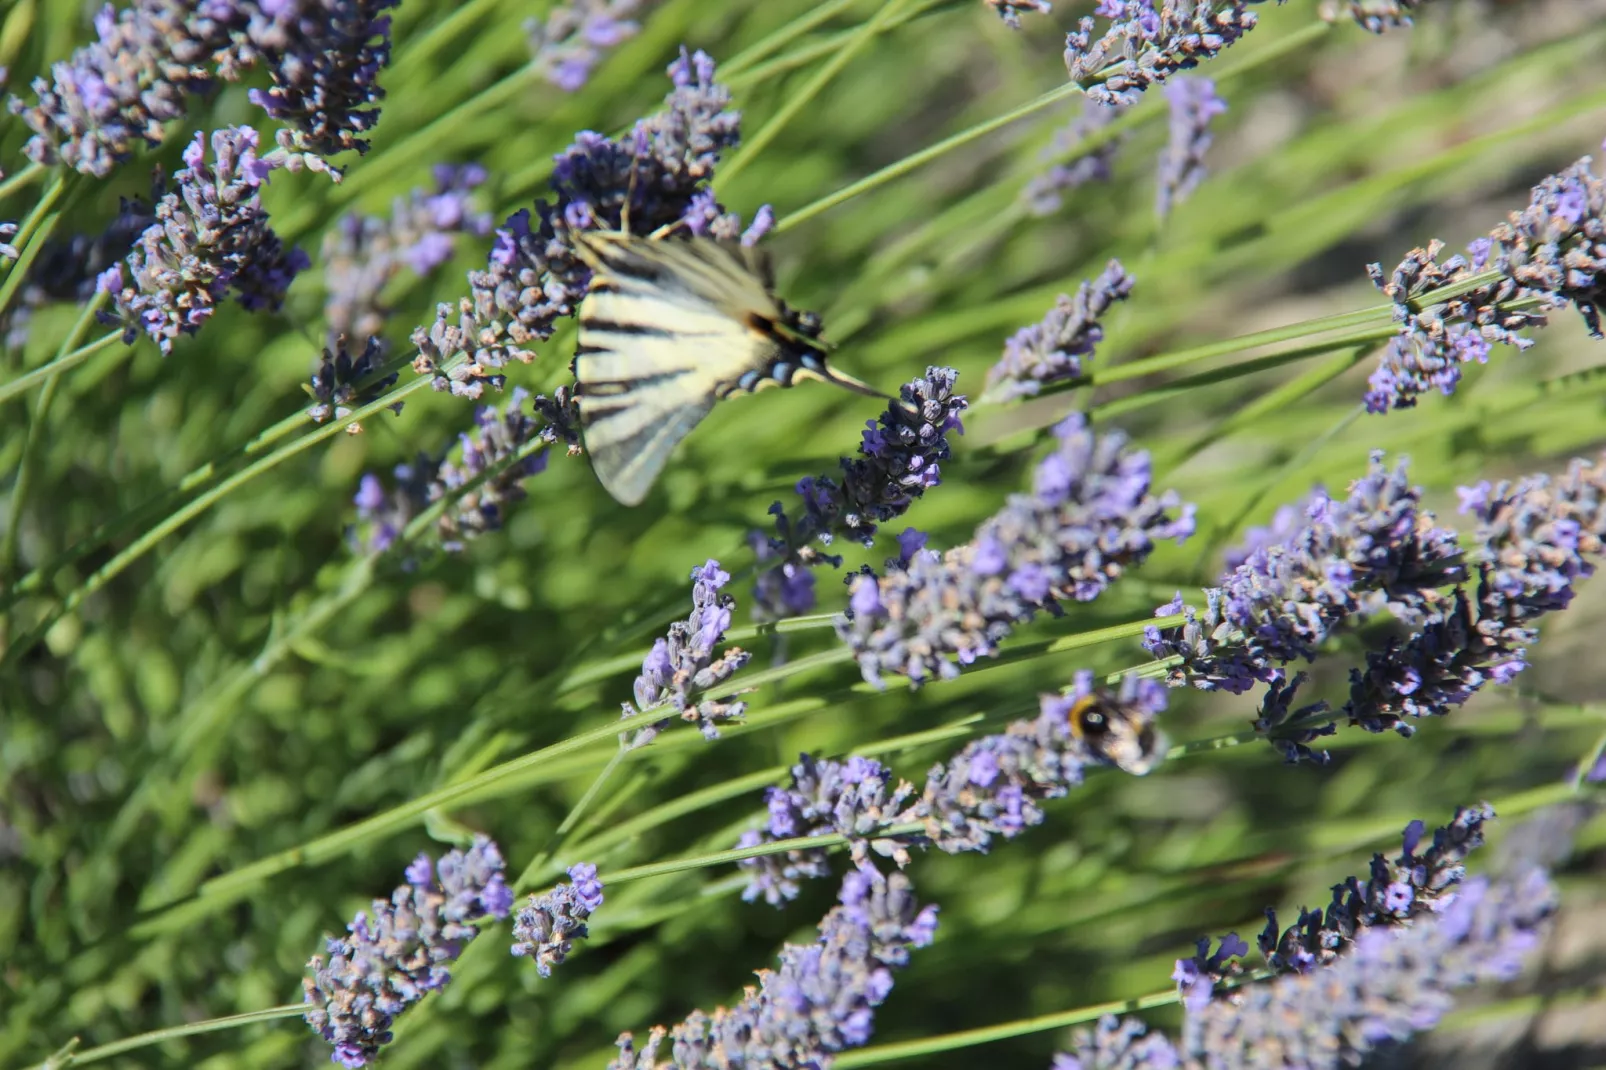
{"x": 1091, "y": 517}
{"x": 820, "y": 1001}
{"x": 1351, "y": 558}
{"x": 545, "y": 930}
{"x": 1043, "y": 194}
{"x": 1374, "y": 16}
{"x": 574, "y": 37}
{"x": 211, "y": 236}
{"x": 325, "y": 57}
{"x": 398, "y": 952}
{"x": 1145, "y": 44}
{"x": 681, "y": 668}
{"x": 1536, "y": 539}
{"x": 900, "y": 458}
{"x": 1055, "y": 350}
{"x": 1551, "y": 254}
{"x": 1392, "y": 983}
{"x": 1193, "y": 103}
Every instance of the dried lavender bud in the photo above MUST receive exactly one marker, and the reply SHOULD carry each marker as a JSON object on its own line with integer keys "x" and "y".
{"x": 1055, "y": 349}
{"x": 362, "y": 254}
{"x": 211, "y": 236}
{"x": 1375, "y": 549}
{"x": 398, "y": 951}
{"x": 325, "y": 57}
{"x": 1118, "y": 1044}
{"x": 899, "y": 460}
{"x": 341, "y": 382}
{"x": 121, "y": 89}
{"x": 1193, "y": 103}
{"x": 1292, "y": 731}
{"x": 1372, "y": 15}
{"x": 545, "y": 930}
{"x": 1091, "y": 516}
{"x": 1392, "y": 982}
{"x": 533, "y": 278}
{"x": 1552, "y": 252}
{"x": 681, "y": 667}
{"x": 382, "y": 516}
{"x": 1043, "y": 194}
{"x": 1145, "y": 45}
{"x": 819, "y": 1002}
{"x": 574, "y": 37}
{"x": 1010, "y": 10}
{"x": 855, "y": 799}
{"x": 995, "y": 785}
{"x": 1396, "y": 892}
{"x": 1536, "y": 539}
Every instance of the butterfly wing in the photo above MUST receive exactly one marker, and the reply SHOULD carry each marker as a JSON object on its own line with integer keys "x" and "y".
{"x": 664, "y": 333}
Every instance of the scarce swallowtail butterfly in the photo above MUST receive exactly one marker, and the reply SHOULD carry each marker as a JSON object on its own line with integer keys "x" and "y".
{"x": 668, "y": 327}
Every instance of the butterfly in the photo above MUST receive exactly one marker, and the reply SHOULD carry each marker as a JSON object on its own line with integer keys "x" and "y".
{"x": 669, "y": 326}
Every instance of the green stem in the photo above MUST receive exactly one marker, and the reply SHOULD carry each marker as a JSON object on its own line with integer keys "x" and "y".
{"x": 438, "y": 35}
{"x": 31, "y": 236}
{"x": 924, "y": 156}
{"x": 806, "y": 54}
{"x": 177, "y": 1032}
{"x": 796, "y": 102}
{"x": 26, "y": 177}
{"x": 62, "y": 363}
{"x": 780, "y": 38}
{"x": 36, "y": 423}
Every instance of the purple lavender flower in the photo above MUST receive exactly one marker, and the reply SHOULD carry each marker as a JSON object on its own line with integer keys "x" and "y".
{"x": 341, "y": 382}
{"x": 1054, "y": 350}
{"x": 1375, "y": 549}
{"x": 574, "y": 37}
{"x": 1044, "y": 193}
{"x": 1193, "y": 103}
{"x": 1396, "y": 892}
{"x": 1145, "y": 44}
{"x": 1374, "y": 15}
{"x": 1536, "y": 539}
{"x": 398, "y": 951}
{"x": 899, "y": 460}
{"x": 1393, "y": 982}
{"x": 325, "y": 57}
{"x": 1597, "y": 772}
{"x": 362, "y": 254}
{"x": 211, "y": 236}
{"x": 820, "y": 1001}
{"x": 855, "y": 798}
{"x": 1010, "y": 10}
{"x": 1196, "y": 977}
{"x": 534, "y": 279}
{"x": 546, "y": 928}
{"x": 1286, "y": 522}
{"x": 1118, "y": 1044}
{"x": 993, "y": 787}
{"x": 499, "y": 437}
{"x": 681, "y": 668}
{"x": 1552, "y": 253}
{"x": 1091, "y": 516}
{"x": 124, "y": 86}
{"x": 1289, "y": 730}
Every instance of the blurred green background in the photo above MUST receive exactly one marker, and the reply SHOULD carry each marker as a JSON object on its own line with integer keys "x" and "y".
{"x": 248, "y": 686}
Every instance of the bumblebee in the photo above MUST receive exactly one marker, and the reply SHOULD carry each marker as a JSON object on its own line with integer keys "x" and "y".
{"x": 1114, "y": 732}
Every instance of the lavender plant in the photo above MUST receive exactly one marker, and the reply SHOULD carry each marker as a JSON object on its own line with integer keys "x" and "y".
{"x": 218, "y": 711}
